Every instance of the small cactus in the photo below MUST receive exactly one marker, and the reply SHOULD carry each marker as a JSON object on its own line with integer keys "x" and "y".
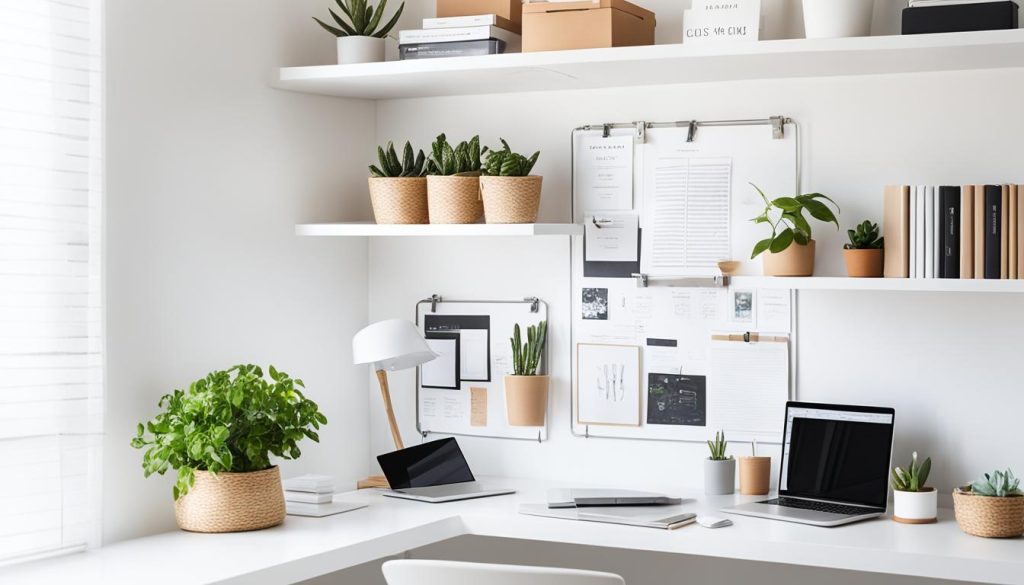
{"x": 505, "y": 163}
{"x": 718, "y": 447}
{"x": 391, "y": 166}
{"x": 526, "y": 358}
{"x": 998, "y": 484}
{"x": 913, "y": 478}
{"x": 865, "y": 237}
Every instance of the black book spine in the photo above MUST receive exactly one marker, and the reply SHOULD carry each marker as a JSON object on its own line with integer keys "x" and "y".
{"x": 950, "y": 197}
{"x": 993, "y": 231}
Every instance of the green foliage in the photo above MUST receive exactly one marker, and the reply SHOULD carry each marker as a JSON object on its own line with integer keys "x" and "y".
{"x": 361, "y": 19}
{"x": 391, "y": 166}
{"x": 785, "y": 216}
{"x": 865, "y": 237}
{"x": 230, "y": 421}
{"x": 998, "y": 484}
{"x": 446, "y": 160}
{"x": 526, "y": 358}
{"x": 505, "y": 163}
{"x": 914, "y": 477}
{"x": 718, "y": 447}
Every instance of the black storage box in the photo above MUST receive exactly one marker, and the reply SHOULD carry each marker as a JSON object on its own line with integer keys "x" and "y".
{"x": 960, "y": 18}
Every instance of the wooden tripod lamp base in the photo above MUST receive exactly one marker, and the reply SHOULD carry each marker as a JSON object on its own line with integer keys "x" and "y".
{"x": 379, "y": 481}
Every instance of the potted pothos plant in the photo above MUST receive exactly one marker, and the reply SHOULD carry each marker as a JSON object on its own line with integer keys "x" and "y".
{"x": 526, "y": 391}
{"x": 361, "y": 30}
{"x": 453, "y": 181}
{"x": 864, "y": 255}
{"x": 719, "y": 468}
{"x": 790, "y": 249}
{"x": 510, "y": 193}
{"x": 398, "y": 187}
{"x": 219, "y": 437}
{"x": 913, "y": 501}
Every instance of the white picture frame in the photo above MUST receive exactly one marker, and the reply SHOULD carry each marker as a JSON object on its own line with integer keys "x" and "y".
{"x": 608, "y": 385}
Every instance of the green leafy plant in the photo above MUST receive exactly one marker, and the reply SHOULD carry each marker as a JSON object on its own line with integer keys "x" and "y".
{"x": 998, "y": 484}
{"x": 914, "y": 477}
{"x": 505, "y": 163}
{"x": 785, "y": 215}
{"x": 463, "y": 159}
{"x": 229, "y": 421}
{"x": 718, "y": 447}
{"x": 865, "y": 237}
{"x": 391, "y": 166}
{"x": 526, "y": 358}
{"x": 363, "y": 20}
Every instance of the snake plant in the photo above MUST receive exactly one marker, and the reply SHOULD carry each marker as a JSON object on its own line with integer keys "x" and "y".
{"x": 718, "y": 447}
{"x": 361, "y": 19}
{"x": 505, "y": 163}
{"x": 526, "y": 358}
{"x": 391, "y": 166}
{"x": 446, "y": 160}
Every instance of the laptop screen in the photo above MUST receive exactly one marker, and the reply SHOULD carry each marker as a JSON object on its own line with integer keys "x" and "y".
{"x": 430, "y": 464}
{"x": 838, "y": 453}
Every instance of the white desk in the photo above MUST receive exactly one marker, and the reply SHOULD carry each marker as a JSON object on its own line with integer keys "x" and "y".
{"x": 303, "y": 548}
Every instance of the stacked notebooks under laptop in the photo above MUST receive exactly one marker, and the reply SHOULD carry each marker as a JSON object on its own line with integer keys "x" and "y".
{"x": 460, "y": 36}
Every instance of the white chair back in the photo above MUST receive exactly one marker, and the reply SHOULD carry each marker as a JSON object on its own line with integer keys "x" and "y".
{"x": 419, "y": 572}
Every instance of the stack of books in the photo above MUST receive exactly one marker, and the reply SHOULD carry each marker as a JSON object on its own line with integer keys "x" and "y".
{"x": 309, "y": 495}
{"x": 970, "y": 231}
{"x": 460, "y": 36}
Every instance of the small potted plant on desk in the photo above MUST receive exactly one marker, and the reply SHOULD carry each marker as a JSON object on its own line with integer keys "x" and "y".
{"x": 913, "y": 501}
{"x": 864, "y": 254}
{"x": 991, "y": 507}
{"x": 219, "y": 436}
{"x": 398, "y": 188}
{"x": 453, "y": 182}
{"x": 719, "y": 468}
{"x": 510, "y": 193}
{"x": 790, "y": 249}
{"x": 361, "y": 36}
{"x": 526, "y": 392}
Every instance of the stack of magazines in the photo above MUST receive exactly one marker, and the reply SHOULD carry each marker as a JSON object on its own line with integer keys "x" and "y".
{"x": 313, "y": 495}
{"x": 460, "y": 36}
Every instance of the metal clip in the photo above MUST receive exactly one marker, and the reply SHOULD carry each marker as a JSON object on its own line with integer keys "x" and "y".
{"x": 434, "y": 299}
{"x": 746, "y": 337}
{"x": 778, "y": 127}
{"x": 691, "y": 134}
{"x": 607, "y": 131}
{"x": 641, "y": 132}
{"x": 642, "y": 280}
{"x": 539, "y": 441}
{"x": 534, "y": 304}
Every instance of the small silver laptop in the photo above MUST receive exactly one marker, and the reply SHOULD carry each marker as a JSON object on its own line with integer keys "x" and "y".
{"x": 433, "y": 472}
{"x": 835, "y": 466}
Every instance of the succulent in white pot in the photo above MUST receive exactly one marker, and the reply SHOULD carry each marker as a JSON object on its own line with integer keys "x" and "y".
{"x": 360, "y": 33}
{"x": 719, "y": 468}
{"x": 913, "y": 501}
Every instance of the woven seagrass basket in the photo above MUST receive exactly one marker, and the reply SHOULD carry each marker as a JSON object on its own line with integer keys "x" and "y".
{"x": 989, "y": 517}
{"x": 511, "y": 199}
{"x": 454, "y": 199}
{"x": 232, "y": 502}
{"x": 399, "y": 200}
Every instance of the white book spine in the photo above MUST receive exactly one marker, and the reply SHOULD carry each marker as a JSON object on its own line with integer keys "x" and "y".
{"x": 451, "y": 35}
{"x": 460, "y": 21}
{"x": 920, "y": 231}
{"x": 937, "y": 220}
{"x": 929, "y": 233}
{"x": 913, "y": 232}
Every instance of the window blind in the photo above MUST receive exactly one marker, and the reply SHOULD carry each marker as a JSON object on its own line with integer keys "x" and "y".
{"x": 51, "y": 344}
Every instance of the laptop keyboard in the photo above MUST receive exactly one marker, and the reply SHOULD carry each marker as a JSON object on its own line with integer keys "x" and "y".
{"x": 818, "y": 506}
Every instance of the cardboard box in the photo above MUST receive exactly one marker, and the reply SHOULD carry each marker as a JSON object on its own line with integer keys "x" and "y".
{"x": 588, "y": 24}
{"x": 507, "y": 9}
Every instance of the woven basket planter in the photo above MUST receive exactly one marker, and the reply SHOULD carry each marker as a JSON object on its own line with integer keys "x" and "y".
{"x": 454, "y": 199}
{"x": 987, "y": 516}
{"x": 511, "y": 199}
{"x": 399, "y": 200}
{"x": 232, "y": 502}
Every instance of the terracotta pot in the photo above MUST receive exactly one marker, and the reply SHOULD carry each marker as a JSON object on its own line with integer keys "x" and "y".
{"x": 796, "y": 260}
{"x": 719, "y": 477}
{"x": 232, "y": 502}
{"x": 755, "y": 475}
{"x": 526, "y": 400}
{"x": 399, "y": 200}
{"x": 864, "y": 263}
{"x": 915, "y": 507}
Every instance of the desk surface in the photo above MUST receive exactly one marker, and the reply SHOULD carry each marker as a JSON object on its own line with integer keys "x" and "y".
{"x": 303, "y": 548}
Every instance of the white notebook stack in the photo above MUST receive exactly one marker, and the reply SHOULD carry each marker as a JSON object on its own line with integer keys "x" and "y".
{"x": 313, "y": 495}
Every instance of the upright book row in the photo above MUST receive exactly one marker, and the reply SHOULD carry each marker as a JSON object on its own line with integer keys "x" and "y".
{"x": 972, "y": 231}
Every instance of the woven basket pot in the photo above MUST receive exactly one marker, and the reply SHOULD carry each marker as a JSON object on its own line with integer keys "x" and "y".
{"x": 987, "y": 516}
{"x": 232, "y": 502}
{"x": 511, "y": 199}
{"x": 399, "y": 200}
{"x": 454, "y": 199}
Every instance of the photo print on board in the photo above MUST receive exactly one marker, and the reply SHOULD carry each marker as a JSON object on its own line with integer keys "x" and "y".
{"x": 679, "y": 400}
{"x": 743, "y": 307}
{"x": 443, "y": 371}
{"x": 595, "y": 304}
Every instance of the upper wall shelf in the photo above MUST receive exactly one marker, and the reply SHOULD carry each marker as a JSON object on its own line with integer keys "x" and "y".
{"x": 881, "y": 284}
{"x": 477, "y": 229}
{"x": 661, "y": 65}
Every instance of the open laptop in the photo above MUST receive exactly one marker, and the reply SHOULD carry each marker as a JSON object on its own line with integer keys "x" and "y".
{"x": 835, "y": 466}
{"x": 433, "y": 472}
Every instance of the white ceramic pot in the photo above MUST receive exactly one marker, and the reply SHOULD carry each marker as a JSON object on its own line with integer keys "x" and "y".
{"x": 360, "y": 50}
{"x": 824, "y": 19}
{"x": 915, "y": 507}
{"x": 719, "y": 477}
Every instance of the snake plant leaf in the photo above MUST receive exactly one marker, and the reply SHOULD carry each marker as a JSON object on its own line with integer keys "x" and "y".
{"x": 393, "y": 158}
{"x": 367, "y": 18}
{"x": 375, "y": 16}
{"x": 376, "y": 172}
{"x": 417, "y": 169}
{"x": 344, "y": 25}
{"x": 391, "y": 23}
{"x": 407, "y": 156}
{"x": 343, "y": 5}
{"x": 334, "y": 31}
{"x": 531, "y": 162}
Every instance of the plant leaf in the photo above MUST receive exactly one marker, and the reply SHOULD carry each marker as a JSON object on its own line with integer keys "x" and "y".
{"x": 760, "y": 247}
{"x": 782, "y": 241}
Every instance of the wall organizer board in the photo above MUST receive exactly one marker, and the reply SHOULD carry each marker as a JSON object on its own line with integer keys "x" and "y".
{"x": 462, "y": 392}
{"x": 663, "y": 348}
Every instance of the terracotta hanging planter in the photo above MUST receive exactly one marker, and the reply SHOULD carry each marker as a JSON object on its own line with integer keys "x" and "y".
{"x": 526, "y": 400}
{"x": 796, "y": 260}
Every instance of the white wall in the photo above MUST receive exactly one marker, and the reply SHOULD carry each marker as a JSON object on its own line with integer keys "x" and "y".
{"x": 209, "y": 170}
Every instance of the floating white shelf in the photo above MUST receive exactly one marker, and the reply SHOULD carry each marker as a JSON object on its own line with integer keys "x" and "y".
{"x": 375, "y": 230}
{"x": 661, "y": 65}
{"x": 882, "y": 284}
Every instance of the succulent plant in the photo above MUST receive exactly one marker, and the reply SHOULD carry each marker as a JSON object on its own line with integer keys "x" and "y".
{"x": 913, "y": 478}
{"x": 526, "y": 358}
{"x": 446, "y": 160}
{"x": 391, "y": 166}
{"x": 785, "y": 215}
{"x": 718, "y": 447}
{"x": 505, "y": 163}
{"x": 363, "y": 19}
{"x": 865, "y": 237}
{"x": 998, "y": 484}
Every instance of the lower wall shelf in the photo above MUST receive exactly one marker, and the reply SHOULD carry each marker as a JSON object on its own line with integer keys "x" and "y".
{"x": 353, "y": 230}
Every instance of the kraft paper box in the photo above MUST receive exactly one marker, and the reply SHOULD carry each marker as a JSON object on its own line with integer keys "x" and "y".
{"x": 507, "y": 9}
{"x": 588, "y": 24}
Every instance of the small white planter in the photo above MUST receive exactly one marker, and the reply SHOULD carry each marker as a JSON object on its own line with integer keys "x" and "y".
{"x": 719, "y": 477}
{"x": 915, "y": 507}
{"x": 360, "y": 50}
{"x": 825, "y": 19}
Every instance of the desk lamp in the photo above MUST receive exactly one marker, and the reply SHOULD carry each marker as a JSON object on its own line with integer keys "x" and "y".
{"x": 389, "y": 346}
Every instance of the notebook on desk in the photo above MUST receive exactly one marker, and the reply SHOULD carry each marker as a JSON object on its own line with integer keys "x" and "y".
{"x": 663, "y": 517}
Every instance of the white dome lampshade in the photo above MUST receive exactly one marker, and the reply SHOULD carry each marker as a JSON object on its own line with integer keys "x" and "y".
{"x": 395, "y": 344}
